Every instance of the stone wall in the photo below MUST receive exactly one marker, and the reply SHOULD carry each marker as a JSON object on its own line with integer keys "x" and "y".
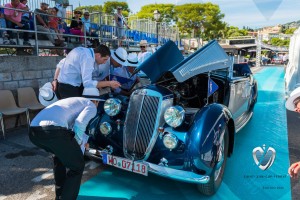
{"x": 25, "y": 71}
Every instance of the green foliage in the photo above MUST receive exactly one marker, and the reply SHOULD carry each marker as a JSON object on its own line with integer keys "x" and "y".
{"x": 203, "y": 19}
{"x": 166, "y": 11}
{"x": 92, "y": 9}
{"x": 290, "y": 31}
{"x": 96, "y": 8}
{"x": 110, "y": 7}
{"x": 233, "y": 31}
{"x": 279, "y": 42}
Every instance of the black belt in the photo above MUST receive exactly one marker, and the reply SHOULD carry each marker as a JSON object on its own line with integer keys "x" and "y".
{"x": 69, "y": 85}
{"x": 44, "y": 131}
{"x": 47, "y": 128}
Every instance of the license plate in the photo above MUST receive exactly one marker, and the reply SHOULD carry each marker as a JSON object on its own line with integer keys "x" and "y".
{"x": 126, "y": 164}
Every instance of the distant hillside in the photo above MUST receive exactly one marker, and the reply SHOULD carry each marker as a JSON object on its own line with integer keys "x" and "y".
{"x": 294, "y": 24}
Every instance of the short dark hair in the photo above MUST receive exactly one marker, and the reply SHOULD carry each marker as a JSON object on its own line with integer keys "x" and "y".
{"x": 103, "y": 50}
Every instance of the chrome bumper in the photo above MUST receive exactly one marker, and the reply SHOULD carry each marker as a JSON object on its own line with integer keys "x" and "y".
{"x": 180, "y": 175}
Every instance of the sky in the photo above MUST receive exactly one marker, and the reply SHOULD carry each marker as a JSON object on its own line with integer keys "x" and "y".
{"x": 251, "y": 13}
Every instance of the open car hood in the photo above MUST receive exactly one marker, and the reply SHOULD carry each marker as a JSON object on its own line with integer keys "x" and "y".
{"x": 168, "y": 58}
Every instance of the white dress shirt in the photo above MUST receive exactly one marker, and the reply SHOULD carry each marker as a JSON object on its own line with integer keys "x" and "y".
{"x": 78, "y": 68}
{"x": 101, "y": 71}
{"x": 71, "y": 113}
{"x": 142, "y": 56}
{"x": 61, "y": 63}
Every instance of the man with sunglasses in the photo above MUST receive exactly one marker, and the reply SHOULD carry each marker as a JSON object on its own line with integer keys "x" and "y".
{"x": 144, "y": 54}
{"x": 293, "y": 104}
{"x": 87, "y": 25}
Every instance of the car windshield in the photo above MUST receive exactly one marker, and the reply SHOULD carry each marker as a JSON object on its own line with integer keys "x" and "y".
{"x": 220, "y": 72}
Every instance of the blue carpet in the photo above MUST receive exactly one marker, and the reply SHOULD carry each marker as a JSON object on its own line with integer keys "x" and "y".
{"x": 242, "y": 179}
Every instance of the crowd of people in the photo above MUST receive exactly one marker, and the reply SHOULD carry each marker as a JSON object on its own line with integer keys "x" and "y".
{"x": 50, "y": 21}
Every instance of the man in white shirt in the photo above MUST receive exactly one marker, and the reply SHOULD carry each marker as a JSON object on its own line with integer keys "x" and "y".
{"x": 144, "y": 54}
{"x": 76, "y": 72}
{"x": 60, "y": 129}
{"x": 61, "y": 5}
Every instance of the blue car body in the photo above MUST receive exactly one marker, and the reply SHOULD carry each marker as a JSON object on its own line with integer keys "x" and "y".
{"x": 205, "y": 138}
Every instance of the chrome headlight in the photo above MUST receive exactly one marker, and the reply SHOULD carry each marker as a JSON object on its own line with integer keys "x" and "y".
{"x": 105, "y": 128}
{"x": 174, "y": 116}
{"x": 112, "y": 106}
{"x": 170, "y": 141}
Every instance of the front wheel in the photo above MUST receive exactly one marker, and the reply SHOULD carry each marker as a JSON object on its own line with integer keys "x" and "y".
{"x": 216, "y": 176}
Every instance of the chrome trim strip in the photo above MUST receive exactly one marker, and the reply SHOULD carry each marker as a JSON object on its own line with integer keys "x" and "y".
{"x": 144, "y": 129}
{"x": 180, "y": 175}
{"x": 212, "y": 128}
{"x": 245, "y": 122}
{"x": 138, "y": 122}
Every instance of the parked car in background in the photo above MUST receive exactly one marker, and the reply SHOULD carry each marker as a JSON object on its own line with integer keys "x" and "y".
{"x": 277, "y": 60}
{"x": 181, "y": 126}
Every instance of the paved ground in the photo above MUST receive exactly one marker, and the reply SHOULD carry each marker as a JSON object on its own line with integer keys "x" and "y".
{"x": 26, "y": 171}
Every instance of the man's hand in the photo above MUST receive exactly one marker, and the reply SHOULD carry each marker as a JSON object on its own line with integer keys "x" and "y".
{"x": 20, "y": 25}
{"x": 54, "y": 85}
{"x": 294, "y": 170}
{"x": 114, "y": 84}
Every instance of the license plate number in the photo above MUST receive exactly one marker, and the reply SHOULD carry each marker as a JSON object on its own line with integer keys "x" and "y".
{"x": 126, "y": 164}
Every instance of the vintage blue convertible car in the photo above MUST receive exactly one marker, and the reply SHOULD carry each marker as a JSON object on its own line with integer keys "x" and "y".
{"x": 181, "y": 126}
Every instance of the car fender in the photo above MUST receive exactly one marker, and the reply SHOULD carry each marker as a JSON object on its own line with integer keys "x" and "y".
{"x": 205, "y": 133}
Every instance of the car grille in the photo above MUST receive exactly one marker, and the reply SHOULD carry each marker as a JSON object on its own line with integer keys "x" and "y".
{"x": 140, "y": 126}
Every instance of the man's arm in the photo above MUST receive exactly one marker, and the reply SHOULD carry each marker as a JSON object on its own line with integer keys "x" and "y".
{"x": 81, "y": 122}
{"x": 24, "y": 8}
{"x": 112, "y": 84}
{"x": 124, "y": 21}
{"x": 9, "y": 18}
{"x": 40, "y": 19}
{"x": 54, "y": 82}
{"x": 86, "y": 69}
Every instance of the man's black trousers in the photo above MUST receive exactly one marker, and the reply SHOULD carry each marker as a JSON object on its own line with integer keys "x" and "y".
{"x": 66, "y": 90}
{"x": 68, "y": 154}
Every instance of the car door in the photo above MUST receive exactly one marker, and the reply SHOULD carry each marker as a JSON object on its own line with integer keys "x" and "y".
{"x": 240, "y": 95}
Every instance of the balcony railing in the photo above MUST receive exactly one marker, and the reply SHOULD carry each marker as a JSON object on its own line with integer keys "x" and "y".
{"x": 103, "y": 26}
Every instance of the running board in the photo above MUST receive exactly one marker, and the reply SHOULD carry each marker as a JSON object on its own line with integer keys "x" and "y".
{"x": 244, "y": 122}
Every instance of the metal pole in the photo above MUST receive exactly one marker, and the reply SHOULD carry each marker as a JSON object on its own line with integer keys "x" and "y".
{"x": 84, "y": 34}
{"x": 208, "y": 78}
{"x": 35, "y": 34}
{"x": 258, "y": 49}
{"x": 100, "y": 24}
{"x": 157, "y": 33}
